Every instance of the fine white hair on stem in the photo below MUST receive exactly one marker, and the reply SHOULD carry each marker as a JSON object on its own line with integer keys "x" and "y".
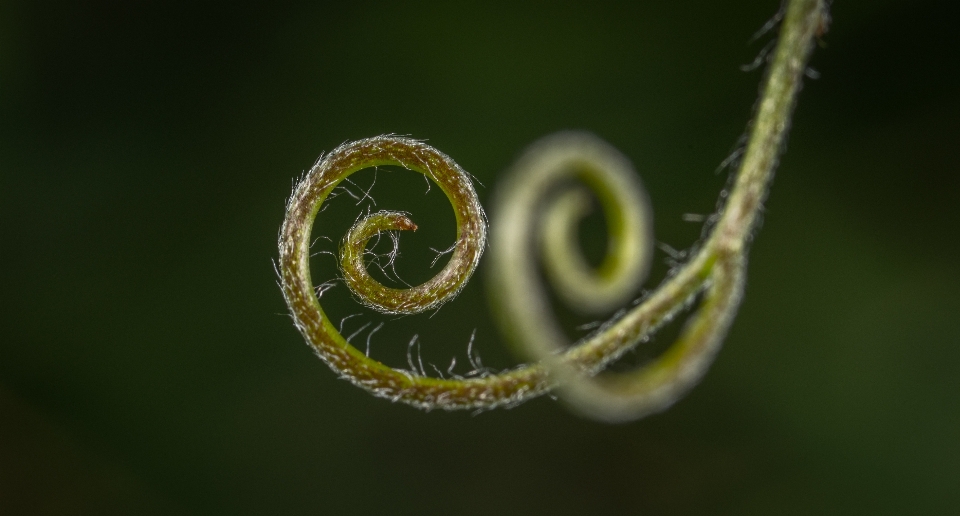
{"x": 359, "y": 330}
{"x": 440, "y": 254}
{"x": 344, "y": 320}
{"x": 370, "y": 336}
{"x": 413, "y": 341}
{"x": 761, "y": 58}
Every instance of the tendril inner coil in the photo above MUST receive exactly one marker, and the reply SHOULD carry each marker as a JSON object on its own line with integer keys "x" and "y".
{"x": 626, "y": 207}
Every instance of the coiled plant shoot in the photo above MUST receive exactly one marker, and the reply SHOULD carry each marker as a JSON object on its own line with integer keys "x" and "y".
{"x": 715, "y": 271}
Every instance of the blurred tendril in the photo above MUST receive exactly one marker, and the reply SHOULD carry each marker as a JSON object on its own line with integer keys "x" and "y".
{"x": 532, "y": 209}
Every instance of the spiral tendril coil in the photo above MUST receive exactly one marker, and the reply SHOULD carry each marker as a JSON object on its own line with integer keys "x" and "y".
{"x": 528, "y": 204}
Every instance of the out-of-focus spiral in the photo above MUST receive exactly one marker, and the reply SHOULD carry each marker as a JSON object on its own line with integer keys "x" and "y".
{"x": 541, "y": 201}
{"x": 530, "y": 209}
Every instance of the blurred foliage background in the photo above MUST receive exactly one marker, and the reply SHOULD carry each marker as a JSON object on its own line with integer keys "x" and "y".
{"x": 146, "y": 362}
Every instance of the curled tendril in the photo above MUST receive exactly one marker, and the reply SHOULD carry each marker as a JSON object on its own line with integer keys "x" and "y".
{"x": 716, "y": 270}
{"x": 399, "y": 385}
{"x": 453, "y": 181}
{"x": 522, "y": 305}
{"x": 608, "y": 174}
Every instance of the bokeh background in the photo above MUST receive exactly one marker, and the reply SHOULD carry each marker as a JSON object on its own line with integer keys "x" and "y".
{"x": 146, "y": 362}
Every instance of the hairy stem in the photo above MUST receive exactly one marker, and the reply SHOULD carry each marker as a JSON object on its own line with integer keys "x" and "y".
{"x": 716, "y": 270}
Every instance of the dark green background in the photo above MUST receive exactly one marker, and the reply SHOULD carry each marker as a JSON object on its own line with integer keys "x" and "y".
{"x": 147, "y": 149}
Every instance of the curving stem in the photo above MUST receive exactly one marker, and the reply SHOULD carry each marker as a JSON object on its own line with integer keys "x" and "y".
{"x": 716, "y": 270}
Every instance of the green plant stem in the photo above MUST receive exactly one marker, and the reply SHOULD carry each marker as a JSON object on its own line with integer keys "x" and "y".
{"x": 719, "y": 265}
{"x": 717, "y": 270}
